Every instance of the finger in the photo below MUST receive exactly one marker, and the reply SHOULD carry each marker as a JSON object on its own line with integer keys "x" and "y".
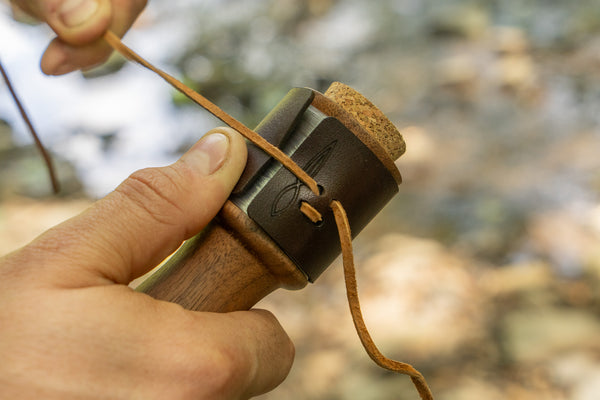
{"x": 62, "y": 57}
{"x": 227, "y": 356}
{"x": 21, "y": 15}
{"x": 129, "y": 345}
{"x": 257, "y": 353}
{"x": 74, "y": 21}
{"x": 274, "y": 352}
{"x": 146, "y": 218}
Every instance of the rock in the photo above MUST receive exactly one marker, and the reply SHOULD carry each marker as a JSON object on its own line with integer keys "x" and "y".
{"x": 516, "y": 73}
{"x": 510, "y": 40}
{"x": 417, "y": 163}
{"x": 323, "y": 369}
{"x": 462, "y": 20}
{"x": 517, "y": 279}
{"x": 6, "y": 140}
{"x": 414, "y": 285}
{"x": 459, "y": 76}
{"x": 319, "y": 8}
{"x": 470, "y": 388}
{"x": 578, "y": 371}
{"x": 588, "y": 389}
{"x": 24, "y": 172}
{"x": 568, "y": 240}
{"x": 536, "y": 334}
{"x": 585, "y": 59}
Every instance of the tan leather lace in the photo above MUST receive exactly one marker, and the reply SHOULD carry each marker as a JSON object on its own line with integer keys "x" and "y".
{"x": 203, "y": 102}
{"x": 310, "y": 212}
{"x": 343, "y": 225}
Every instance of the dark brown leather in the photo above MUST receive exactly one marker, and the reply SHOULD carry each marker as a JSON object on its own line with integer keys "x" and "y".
{"x": 347, "y": 171}
{"x": 275, "y": 128}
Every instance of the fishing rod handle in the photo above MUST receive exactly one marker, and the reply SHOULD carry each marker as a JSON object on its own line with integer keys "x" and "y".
{"x": 256, "y": 244}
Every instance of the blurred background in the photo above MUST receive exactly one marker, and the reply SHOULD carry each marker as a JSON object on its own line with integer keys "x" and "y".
{"x": 483, "y": 272}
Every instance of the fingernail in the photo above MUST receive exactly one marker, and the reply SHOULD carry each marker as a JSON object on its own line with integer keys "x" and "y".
{"x": 76, "y": 12}
{"x": 209, "y": 154}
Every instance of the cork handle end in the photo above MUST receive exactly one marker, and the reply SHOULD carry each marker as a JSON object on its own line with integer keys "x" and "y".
{"x": 369, "y": 116}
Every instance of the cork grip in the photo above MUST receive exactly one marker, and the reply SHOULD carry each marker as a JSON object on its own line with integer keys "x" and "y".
{"x": 232, "y": 264}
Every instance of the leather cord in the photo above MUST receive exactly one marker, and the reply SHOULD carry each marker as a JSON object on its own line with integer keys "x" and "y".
{"x": 343, "y": 225}
{"x": 114, "y": 41}
{"x": 345, "y": 234}
{"x": 310, "y": 212}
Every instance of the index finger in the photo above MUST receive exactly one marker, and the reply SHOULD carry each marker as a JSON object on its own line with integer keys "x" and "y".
{"x": 76, "y": 22}
{"x": 62, "y": 57}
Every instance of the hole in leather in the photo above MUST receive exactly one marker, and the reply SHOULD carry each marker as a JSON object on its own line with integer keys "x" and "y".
{"x": 309, "y": 215}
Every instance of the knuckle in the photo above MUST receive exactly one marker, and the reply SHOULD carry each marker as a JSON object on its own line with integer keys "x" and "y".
{"x": 155, "y": 191}
{"x": 217, "y": 371}
{"x": 227, "y": 371}
{"x": 209, "y": 373}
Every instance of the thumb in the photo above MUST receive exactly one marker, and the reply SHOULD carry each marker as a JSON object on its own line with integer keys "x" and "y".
{"x": 76, "y": 22}
{"x": 127, "y": 233}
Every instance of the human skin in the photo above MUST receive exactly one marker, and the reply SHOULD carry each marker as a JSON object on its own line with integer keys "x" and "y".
{"x": 71, "y": 328}
{"x": 79, "y": 26}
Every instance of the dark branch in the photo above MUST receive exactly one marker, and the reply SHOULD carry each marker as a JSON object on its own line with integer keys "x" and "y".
{"x": 36, "y": 138}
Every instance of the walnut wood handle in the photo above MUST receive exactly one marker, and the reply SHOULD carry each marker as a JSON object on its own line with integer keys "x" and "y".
{"x": 212, "y": 272}
{"x": 229, "y": 266}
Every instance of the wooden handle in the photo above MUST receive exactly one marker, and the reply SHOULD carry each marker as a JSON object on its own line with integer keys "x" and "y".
{"x": 212, "y": 272}
{"x": 229, "y": 266}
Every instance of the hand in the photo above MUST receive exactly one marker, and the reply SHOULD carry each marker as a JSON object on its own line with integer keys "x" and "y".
{"x": 71, "y": 328}
{"x": 79, "y": 26}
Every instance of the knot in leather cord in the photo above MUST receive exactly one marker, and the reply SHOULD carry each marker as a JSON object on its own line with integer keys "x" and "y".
{"x": 310, "y": 212}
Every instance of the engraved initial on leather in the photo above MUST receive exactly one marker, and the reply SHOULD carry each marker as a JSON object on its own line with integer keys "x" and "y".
{"x": 289, "y": 194}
